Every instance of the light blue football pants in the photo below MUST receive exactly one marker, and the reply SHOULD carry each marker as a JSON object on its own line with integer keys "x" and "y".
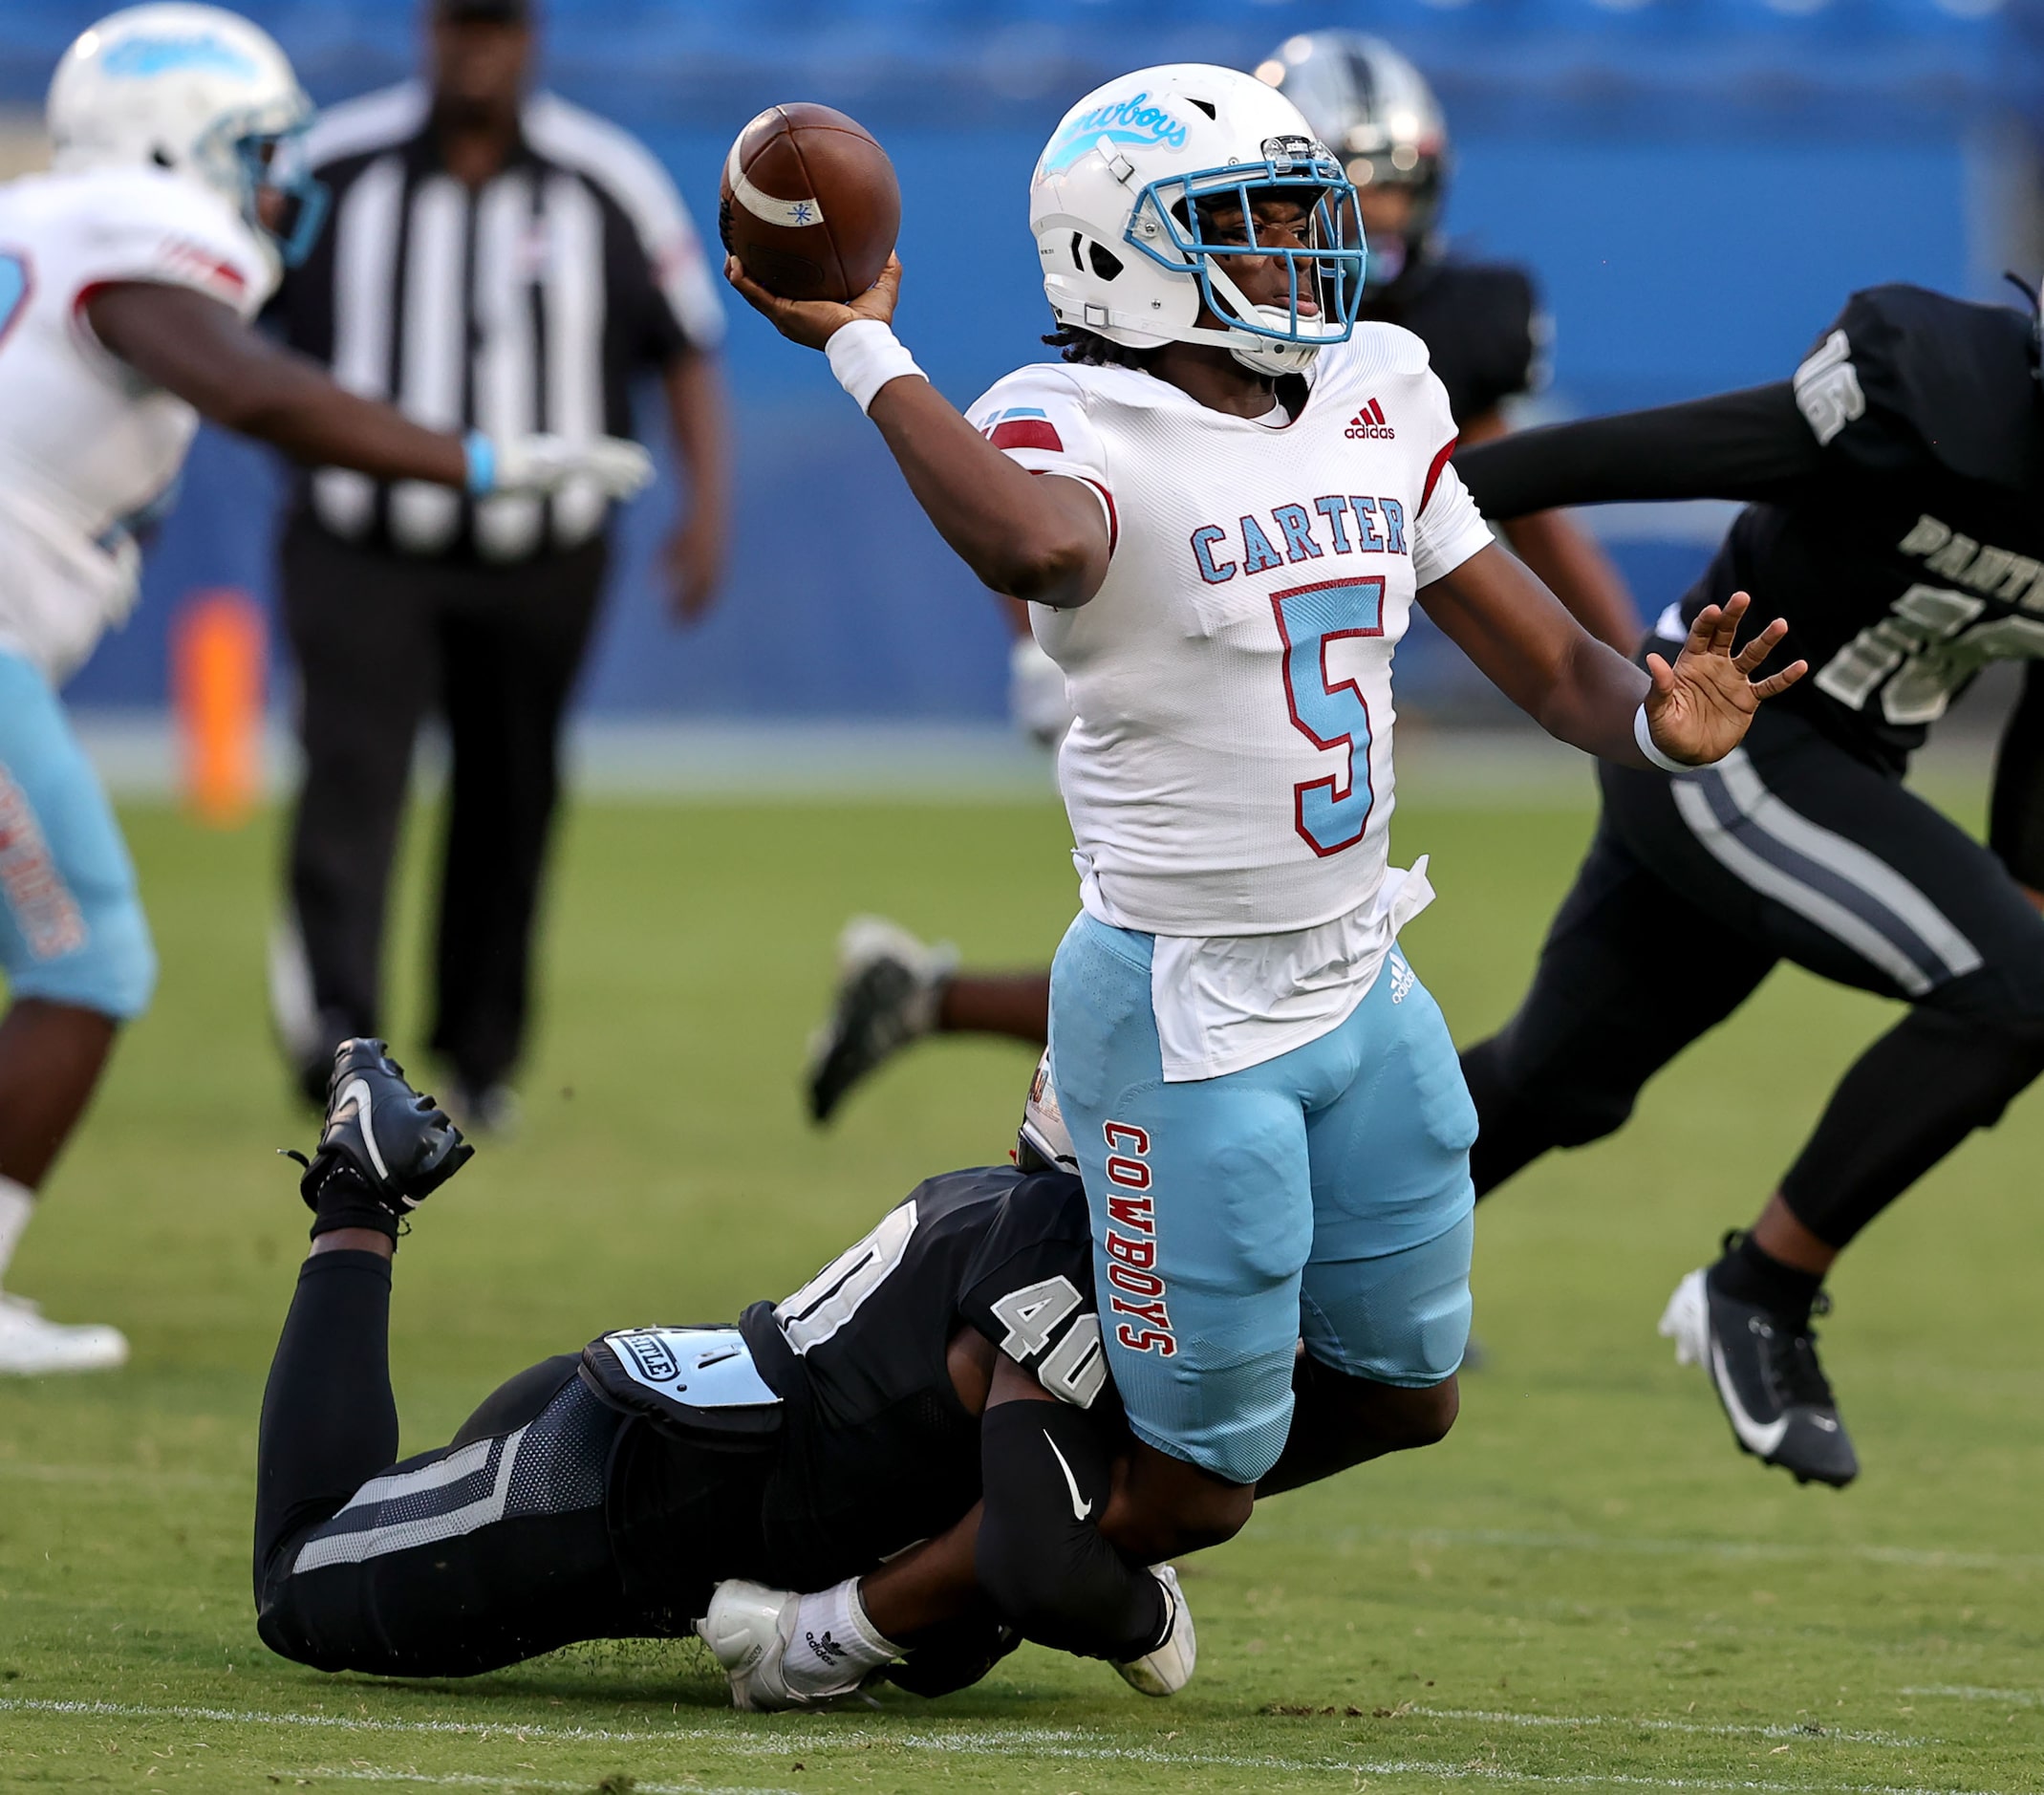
{"x": 1325, "y": 1195}
{"x": 72, "y": 929}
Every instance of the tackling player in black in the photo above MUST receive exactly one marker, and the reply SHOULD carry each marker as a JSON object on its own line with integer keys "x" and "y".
{"x": 1895, "y": 523}
{"x": 666, "y": 1480}
{"x": 1485, "y": 336}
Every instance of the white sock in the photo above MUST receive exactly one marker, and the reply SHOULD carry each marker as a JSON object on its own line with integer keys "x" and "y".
{"x": 18, "y": 1203}
{"x": 834, "y": 1644}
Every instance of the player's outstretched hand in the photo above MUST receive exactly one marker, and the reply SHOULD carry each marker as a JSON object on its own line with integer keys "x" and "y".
{"x": 810, "y": 322}
{"x": 1699, "y": 709}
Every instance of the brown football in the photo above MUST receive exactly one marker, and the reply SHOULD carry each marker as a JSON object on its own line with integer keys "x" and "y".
{"x": 810, "y": 206}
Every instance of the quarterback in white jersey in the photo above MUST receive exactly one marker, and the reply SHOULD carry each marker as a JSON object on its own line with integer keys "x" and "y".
{"x": 128, "y": 277}
{"x": 1222, "y": 506}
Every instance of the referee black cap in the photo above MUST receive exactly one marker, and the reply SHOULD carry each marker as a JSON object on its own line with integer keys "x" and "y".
{"x": 482, "y": 12}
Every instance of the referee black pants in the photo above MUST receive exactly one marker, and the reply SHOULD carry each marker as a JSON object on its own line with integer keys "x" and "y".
{"x": 381, "y": 640}
{"x": 1696, "y": 885}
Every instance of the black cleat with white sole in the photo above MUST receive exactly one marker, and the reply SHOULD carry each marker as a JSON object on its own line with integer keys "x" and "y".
{"x": 384, "y": 1148}
{"x": 1767, "y": 1377}
{"x": 889, "y": 987}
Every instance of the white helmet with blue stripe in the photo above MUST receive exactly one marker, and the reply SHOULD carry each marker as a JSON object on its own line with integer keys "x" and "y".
{"x": 1119, "y": 207}
{"x": 197, "y": 91}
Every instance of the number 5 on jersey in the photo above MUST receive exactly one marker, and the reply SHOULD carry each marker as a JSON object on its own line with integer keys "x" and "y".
{"x": 1331, "y": 813}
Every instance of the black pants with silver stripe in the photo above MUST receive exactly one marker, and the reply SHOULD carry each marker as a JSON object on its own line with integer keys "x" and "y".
{"x": 511, "y": 1541}
{"x": 1695, "y": 887}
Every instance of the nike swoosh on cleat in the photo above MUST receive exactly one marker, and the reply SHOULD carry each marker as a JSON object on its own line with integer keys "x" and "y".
{"x": 1758, "y": 1438}
{"x": 1079, "y": 1511}
{"x": 358, "y": 1088}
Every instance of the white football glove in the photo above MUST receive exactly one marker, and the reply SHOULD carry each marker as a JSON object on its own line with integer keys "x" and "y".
{"x": 1167, "y": 1668}
{"x": 536, "y": 466}
{"x": 1037, "y": 703}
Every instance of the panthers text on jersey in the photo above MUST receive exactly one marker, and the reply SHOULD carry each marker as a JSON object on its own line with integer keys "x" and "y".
{"x": 1915, "y": 555}
{"x": 1229, "y": 774}
{"x": 876, "y": 1450}
{"x": 88, "y": 450}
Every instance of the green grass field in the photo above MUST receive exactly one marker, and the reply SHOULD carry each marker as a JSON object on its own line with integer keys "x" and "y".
{"x": 1585, "y": 1587}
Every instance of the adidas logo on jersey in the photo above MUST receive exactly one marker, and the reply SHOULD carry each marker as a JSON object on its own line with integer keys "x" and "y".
{"x": 1369, "y": 423}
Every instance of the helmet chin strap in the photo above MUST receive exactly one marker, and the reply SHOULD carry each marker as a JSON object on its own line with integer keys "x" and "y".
{"x": 1264, "y": 354}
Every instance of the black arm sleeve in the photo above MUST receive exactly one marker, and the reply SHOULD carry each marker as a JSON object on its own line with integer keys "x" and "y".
{"x": 2015, "y": 814}
{"x": 1745, "y": 445}
{"x": 1040, "y": 1559}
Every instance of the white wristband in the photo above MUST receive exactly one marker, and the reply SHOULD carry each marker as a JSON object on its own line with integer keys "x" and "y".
{"x": 1641, "y": 734}
{"x": 865, "y": 355}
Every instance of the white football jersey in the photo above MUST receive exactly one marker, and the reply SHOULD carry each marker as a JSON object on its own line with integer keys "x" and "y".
{"x": 1229, "y": 771}
{"x": 87, "y": 448}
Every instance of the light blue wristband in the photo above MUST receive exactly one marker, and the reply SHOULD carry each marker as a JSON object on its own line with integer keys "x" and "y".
{"x": 481, "y": 454}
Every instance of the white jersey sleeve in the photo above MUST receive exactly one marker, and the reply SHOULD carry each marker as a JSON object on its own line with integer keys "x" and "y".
{"x": 1450, "y": 529}
{"x": 88, "y": 452}
{"x": 167, "y": 234}
{"x": 1038, "y": 418}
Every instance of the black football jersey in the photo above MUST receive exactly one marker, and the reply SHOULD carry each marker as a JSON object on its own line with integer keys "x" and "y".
{"x": 877, "y": 1451}
{"x": 1481, "y": 326}
{"x": 1914, "y": 552}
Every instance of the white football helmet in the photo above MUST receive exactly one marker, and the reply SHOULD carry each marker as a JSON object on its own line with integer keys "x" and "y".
{"x": 1116, "y": 210}
{"x": 197, "y": 91}
{"x": 1043, "y": 1143}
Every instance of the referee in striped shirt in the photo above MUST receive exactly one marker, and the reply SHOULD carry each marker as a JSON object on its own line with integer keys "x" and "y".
{"x": 495, "y": 258}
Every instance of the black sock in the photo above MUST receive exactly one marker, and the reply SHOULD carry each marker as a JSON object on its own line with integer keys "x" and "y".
{"x": 328, "y": 1417}
{"x": 341, "y": 1199}
{"x": 1748, "y": 1274}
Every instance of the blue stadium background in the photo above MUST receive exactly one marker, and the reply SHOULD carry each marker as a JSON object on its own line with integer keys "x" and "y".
{"x": 1696, "y": 184}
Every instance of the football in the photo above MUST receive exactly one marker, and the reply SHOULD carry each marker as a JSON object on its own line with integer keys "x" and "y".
{"x": 810, "y": 204}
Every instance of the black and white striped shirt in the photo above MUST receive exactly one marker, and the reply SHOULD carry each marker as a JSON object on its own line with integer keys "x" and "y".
{"x": 529, "y": 304}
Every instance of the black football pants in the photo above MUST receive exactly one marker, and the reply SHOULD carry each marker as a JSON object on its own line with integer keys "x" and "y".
{"x": 381, "y": 641}
{"x": 1696, "y": 885}
{"x": 512, "y": 1540}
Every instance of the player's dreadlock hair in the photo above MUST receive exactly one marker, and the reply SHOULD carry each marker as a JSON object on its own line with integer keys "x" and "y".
{"x": 1073, "y": 342}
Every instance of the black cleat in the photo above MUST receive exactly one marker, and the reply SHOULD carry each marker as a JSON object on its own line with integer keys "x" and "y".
{"x": 1764, "y": 1371}
{"x": 889, "y": 987}
{"x": 399, "y": 1146}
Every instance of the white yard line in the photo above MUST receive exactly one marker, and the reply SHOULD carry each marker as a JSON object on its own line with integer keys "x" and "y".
{"x": 1967, "y": 1692}
{"x": 1062, "y": 1743}
{"x": 1727, "y": 1729}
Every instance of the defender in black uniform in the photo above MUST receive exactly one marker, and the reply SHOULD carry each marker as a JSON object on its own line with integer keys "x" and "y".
{"x": 609, "y": 1494}
{"x": 1897, "y": 523}
{"x": 1485, "y": 336}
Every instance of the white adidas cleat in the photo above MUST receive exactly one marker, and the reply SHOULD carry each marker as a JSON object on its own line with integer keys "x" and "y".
{"x": 748, "y": 1629}
{"x": 30, "y": 1346}
{"x": 1166, "y": 1667}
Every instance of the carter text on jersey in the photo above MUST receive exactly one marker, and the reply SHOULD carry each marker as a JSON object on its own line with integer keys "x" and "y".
{"x": 1354, "y": 523}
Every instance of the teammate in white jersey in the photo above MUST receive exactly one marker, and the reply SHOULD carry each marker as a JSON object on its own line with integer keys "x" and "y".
{"x": 1221, "y": 507}
{"x": 128, "y": 275}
